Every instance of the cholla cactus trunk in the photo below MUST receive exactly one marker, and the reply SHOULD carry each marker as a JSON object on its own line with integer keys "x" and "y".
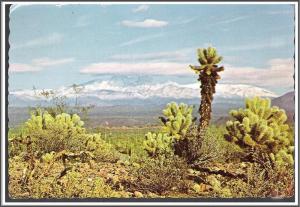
{"x": 208, "y": 85}
{"x": 208, "y": 76}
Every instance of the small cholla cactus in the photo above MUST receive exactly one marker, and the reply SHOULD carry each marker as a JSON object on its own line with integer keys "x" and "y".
{"x": 177, "y": 120}
{"x": 261, "y": 126}
{"x": 43, "y": 120}
{"x": 93, "y": 142}
{"x": 283, "y": 156}
{"x": 158, "y": 144}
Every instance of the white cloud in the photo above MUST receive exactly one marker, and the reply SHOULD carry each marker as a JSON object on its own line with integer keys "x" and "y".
{"x": 140, "y": 39}
{"x": 44, "y": 62}
{"x": 141, "y": 8}
{"x": 279, "y": 73}
{"x": 147, "y": 23}
{"x": 162, "y": 68}
{"x": 38, "y": 65}
{"x": 19, "y": 68}
{"x": 41, "y": 41}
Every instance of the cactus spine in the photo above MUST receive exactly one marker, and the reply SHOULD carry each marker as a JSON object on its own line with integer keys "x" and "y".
{"x": 208, "y": 76}
{"x": 262, "y": 127}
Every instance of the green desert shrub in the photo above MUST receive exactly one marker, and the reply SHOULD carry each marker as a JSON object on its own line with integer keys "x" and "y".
{"x": 160, "y": 176}
{"x": 188, "y": 146}
{"x": 211, "y": 147}
{"x": 102, "y": 150}
{"x": 127, "y": 141}
{"x": 262, "y": 127}
{"x": 263, "y": 182}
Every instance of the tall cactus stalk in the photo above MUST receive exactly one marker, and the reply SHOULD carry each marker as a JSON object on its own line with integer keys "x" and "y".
{"x": 208, "y": 76}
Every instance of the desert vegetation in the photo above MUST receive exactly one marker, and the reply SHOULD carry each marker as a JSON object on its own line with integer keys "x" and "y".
{"x": 53, "y": 155}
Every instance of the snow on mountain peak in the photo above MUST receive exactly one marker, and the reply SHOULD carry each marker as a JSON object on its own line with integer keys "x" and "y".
{"x": 111, "y": 90}
{"x": 241, "y": 90}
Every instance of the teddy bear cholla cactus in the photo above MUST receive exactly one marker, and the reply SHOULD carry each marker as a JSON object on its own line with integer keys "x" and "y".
{"x": 177, "y": 120}
{"x": 261, "y": 126}
{"x": 42, "y": 120}
{"x": 158, "y": 144}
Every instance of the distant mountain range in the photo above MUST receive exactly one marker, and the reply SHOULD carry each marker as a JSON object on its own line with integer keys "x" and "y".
{"x": 138, "y": 104}
{"x": 110, "y": 93}
{"x": 286, "y": 102}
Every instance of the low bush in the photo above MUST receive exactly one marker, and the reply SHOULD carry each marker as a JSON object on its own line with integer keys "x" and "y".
{"x": 212, "y": 147}
{"x": 262, "y": 182}
{"x": 160, "y": 176}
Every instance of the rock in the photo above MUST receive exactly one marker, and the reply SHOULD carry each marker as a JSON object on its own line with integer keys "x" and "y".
{"x": 92, "y": 164}
{"x": 138, "y": 194}
{"x": 121, "y": 187}
{"x": 122, "y": 171}
{"x": 115, "y": 179}
{"x": 243, "y": 165}
{"x": 190, "y": 171}
{"x": 204, "y": 187}
{"x": 197, "y": 188}
{"x": 226, "y": 192}
{"x": 152, "y": 195}
{"x": 214, "y": 182}
{"x": 109, "y": 176}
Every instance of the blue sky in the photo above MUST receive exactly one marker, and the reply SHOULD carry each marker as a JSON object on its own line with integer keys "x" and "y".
{"x": 53, "y": 46}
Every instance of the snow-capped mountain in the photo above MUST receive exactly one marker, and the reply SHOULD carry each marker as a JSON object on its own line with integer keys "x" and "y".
{"x": 102, "y": 92}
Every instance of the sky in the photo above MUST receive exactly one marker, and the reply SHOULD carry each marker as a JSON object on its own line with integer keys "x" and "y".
{"x": 58, "y": 45}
